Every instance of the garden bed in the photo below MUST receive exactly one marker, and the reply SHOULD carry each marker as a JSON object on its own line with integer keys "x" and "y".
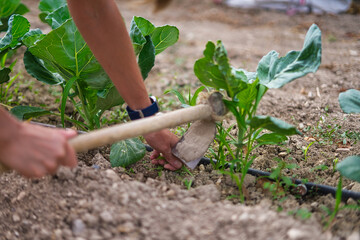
{"x": 95, "y": 201}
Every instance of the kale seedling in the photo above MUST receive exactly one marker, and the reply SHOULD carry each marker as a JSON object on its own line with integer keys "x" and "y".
{"x": 245, "y": 90}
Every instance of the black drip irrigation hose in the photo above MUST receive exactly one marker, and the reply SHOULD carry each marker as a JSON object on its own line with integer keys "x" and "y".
{"x": 311, "y": 187}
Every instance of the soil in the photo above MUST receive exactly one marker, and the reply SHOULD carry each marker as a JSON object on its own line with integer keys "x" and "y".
{"x": 95, "y": 201}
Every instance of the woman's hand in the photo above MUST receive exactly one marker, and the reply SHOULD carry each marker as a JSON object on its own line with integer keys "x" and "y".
{"x": 162, "y": 142}
{"x": 36, "y": 151}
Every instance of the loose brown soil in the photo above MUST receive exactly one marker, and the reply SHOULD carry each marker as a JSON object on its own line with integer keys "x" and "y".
{"x": 95, "y": 201}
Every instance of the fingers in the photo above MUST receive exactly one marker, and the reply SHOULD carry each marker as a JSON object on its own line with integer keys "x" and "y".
{"x": 69, "y": 159}
{"x": 68, "y": 133}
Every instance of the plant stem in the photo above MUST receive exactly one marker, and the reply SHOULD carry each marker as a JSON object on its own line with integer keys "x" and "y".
{"x": 88, "y": 119}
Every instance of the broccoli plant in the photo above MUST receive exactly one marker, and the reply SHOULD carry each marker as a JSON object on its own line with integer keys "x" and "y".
{"x": 245, "y": 90}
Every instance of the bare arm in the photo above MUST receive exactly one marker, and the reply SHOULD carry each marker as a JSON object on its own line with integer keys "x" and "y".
{"x": 102, "y": 26}
{"x": 33, "y": 151}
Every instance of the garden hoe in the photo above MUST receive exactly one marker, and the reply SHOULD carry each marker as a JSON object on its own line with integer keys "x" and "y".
{"x": 191, "y": 147}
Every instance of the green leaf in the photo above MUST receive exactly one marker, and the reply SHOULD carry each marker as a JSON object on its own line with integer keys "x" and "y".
{"x": 214, "y": 70}
{"x": 137, "y": 39}
{"x": 144, "y": 25}
{"x": 350, "y": 168}
{"x": 32, "y": 36}
{"x": 273, "y": 124}
{"x": 110, "y": 99}
{"x": 163, "y": 37}
{"x": 65, "y": 52}
{"x": 4, "y": 75}
{"x": 18, "y": 27}
{"x": 36, "y": 69}
{"x": 247, "y": 96}
{"x": 274, "y": 72}
{"x": 350, "y": 101}
{"x": 27, "y": 112}
{"x": 147, "y": 58}
{"x": 127, "y": 152}
{"x": 48, "y": 6}
{"x": 193, "y": 100}
{"x": 271, "y": 138}
{"x": 7, "y": 7}
{"x": 139, "y": 29}
{"x": 58, "y": 17}
{"x": 178, "y": 95}
{"x": 21, "y": 10}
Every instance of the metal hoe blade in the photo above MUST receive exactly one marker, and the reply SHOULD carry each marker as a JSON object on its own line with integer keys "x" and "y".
{"x": 195, "y": 142}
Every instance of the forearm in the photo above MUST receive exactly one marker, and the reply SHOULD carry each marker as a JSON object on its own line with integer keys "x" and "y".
{"x": 102, "y": 26}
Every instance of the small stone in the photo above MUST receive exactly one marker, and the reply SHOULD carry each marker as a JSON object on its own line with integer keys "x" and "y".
{"x": 311, "y": 96}
{"x": 106, "y": 217}
{"x": 171, "y": 193}
{"x": 78, "y": 227}
{"x": 343, "y": 150}
{"x": 296, "y": 234}
{"x": 301, "y": 126}
{"x": 109, "y": 173}
{"x": 65, "y": 173}
{"x": 201, "y": 168}
{"x": 57, "y": 233}
{"x": 309, "y": 139}
{"x": 126, "y": 227}
{"x": 16, "y": 218}
{"x": 353, "y": 53}
{"x": 314, "y": 204}
{"x": 100, "y": 161}
{"x": 283, "y": 154}
{"x": 356, "y": 187}
{"x": 90, "y": 219}
{"x": 218, "y": 182}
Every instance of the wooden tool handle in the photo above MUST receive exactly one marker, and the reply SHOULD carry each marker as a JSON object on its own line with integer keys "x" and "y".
{"x": 101, "y": 137}
{"x": 139, "y": 127}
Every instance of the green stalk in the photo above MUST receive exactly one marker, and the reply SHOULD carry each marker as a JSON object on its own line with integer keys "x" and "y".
{"x": 88, "y": 119}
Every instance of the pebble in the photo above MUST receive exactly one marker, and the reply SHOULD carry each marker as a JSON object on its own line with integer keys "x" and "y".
{"x": 356, "y": 187}
{"x": 201, "y": 168}
{"x": 126, "y": 227}
{"x": 343, "y": 150}
{"x": 78, "y": 227}
{"x": 301, "y": 126}
{"x": 90, "y": 219}
{"x": 65, "y": 173}
{"x": 109, "y": 173}
{"x": 16, "y": 218}
{"x": 283, "y": 154}
{"x": 296, "y": 234}
{"x": 106, "y": 217}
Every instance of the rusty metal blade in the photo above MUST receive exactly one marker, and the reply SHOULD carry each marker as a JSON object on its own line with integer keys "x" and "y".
{"x": 195, "y": 142}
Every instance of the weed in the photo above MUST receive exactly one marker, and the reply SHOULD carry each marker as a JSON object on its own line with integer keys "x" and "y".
{"x": 301, "y": 213}
{"x": 306, "y": 150}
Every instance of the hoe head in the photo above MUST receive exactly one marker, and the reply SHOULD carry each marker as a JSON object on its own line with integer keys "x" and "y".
{"x": 196, "y": 141}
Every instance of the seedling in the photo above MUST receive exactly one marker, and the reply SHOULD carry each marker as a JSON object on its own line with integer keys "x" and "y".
{"x": 245, "y": 90}
{"x": 281, "y": 183}
{"x": 301, "y": 213}
{"x": 188, "y": 183}
{"x": 306, "y": 150}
